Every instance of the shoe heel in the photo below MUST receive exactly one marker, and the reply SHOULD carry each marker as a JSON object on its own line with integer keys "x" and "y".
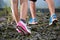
{"x": 55, "y": 21}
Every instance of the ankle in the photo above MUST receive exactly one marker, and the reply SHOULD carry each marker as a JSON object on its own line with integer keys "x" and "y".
{"x": 52, "y": 14}
{"x": 23, "y": 20}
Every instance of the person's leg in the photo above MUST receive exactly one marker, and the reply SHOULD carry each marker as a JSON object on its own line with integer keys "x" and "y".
{"x": 33, "y": 9}
{"x": 23, "y": 16}
{"x": 33, "y": 12}
{"x": 23, "y": 9}
{"x": 14, "y": 7}
{"x": 51, "y": 6}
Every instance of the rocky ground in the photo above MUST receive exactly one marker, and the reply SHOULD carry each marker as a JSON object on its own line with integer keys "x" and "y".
{"x": 41, "y": 31}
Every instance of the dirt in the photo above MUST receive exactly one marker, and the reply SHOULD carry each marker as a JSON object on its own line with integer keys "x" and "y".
{"x": 41, "y": 31}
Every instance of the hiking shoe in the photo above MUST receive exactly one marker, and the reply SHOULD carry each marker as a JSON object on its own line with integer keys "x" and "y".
{"x": 21, "y": 26}
{"x": 32, "y": 21}
{"x": 53, "y": 19}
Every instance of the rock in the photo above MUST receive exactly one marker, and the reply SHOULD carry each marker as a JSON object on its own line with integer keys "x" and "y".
{"x": 2, "y": 19}
{"x": 42, "y": 31}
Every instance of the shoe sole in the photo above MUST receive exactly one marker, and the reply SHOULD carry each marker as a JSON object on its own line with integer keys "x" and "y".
{"x": 33, "y": 23}
{"x": 23, "y": 29}
{"x": 54, "y": 22}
